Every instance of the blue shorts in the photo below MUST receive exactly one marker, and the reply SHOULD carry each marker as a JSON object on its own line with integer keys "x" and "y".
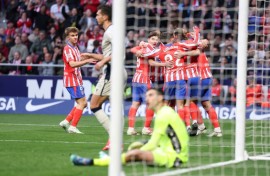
{"x": 206, "y": 89}
{"x": 175, "y": 90}
{"x": 76, "y": 92}
{"x": 138, "y": 91}
{"x": 193, "y": 88}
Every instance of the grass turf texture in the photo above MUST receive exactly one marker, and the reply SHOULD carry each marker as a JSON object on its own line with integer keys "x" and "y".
{"x": 36, "y": 145}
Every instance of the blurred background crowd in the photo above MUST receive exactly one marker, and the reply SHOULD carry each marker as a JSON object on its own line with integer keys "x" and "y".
{"x": 31, "y": 32}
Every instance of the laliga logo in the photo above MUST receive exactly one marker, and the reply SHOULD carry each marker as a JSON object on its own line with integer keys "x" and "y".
{"x": 7, "y": 104}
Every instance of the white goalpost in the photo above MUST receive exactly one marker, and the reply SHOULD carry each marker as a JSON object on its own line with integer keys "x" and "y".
{"x": 118, "y": 55}
{"x": 241, "y": 81}
{"x": 241, "y": 141}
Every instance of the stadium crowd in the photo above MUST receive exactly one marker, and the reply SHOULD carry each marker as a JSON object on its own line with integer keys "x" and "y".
{"x": 31, "y": 32}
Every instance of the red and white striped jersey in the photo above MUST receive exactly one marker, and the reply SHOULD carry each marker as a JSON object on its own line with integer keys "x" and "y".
{"x": 177, "y": 71}
{"x": 204, "y": 67}
{"x": 72, "y": 76}
{"x": 157, "y": 73}
{"x": 192, "y": 61}
{"x": 142, "y": 67}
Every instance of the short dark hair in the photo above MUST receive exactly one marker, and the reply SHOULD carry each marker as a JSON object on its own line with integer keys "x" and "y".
{"x": 159, "y": 91}
{"x": 154, "y": 33}
{"x": 106, "y": 10}
{"x": 180, "y": 32}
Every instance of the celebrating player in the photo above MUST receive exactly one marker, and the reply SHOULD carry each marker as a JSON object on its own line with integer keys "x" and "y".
{"x": 205, "y": 97}
{"x": 141, "y": 82}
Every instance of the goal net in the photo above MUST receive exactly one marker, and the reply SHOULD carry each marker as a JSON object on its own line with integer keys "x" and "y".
{"x": 218, "y": 23}
{"x": 257, "y": 131}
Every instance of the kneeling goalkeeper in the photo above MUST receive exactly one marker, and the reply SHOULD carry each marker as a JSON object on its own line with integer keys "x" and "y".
{"x": 168, "y": 145}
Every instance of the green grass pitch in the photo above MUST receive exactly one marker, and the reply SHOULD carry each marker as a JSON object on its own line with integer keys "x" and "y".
{"x": 36, "y": 145}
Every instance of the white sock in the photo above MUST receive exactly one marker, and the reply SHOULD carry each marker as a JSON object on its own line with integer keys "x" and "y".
{"x": 103, "y": 120}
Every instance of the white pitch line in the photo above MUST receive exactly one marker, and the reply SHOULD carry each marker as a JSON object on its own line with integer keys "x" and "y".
{"x": 42, "y": 125}
{"x": 80, "y": 142}
{"x": 61, "y": 142}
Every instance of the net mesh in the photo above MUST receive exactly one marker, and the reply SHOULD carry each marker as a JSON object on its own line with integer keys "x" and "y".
{"x": 218, "y": 23}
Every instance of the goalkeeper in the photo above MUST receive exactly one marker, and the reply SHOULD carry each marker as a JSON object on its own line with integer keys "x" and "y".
{"x": 168, "y": 145}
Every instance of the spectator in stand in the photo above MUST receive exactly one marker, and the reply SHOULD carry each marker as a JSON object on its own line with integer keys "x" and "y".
{"x": 52, "y": 33}
{"x": 57, "y": 15}
{"x": 254, "y": 92}
{"x": 37, "y": 4}
{"x": 10, "y": 42}
{"x": 10, "y": 30}
{"x": 72, "y": 18}
{"x": 196, "y": 10}
{"x": 57, "y": 59}
{"x": 18, "y": 47}
{"x": 4, "y": 50}
{"x": 2, "y": 33}
{"x": 185, "y": 12}
{"x": 141, "y": 13}
{"x": 41, "y": 58}
{"x": 25, "y": 41}
{"x": 4, "y": 60}
{"x": 74, "y": 4}
{"x": 41, "y": 19}
{"x": 16, "y": 59}
{"x": 97, "y": 48}
{"x": 96, "y": 34}
{"x": 218, "y": 17}
{"x": 47, "y": 69}
{"x": 34, "y": 35}
{"x": 231, "y": 98}
{"x": 90, "y": 4}
{"x": 253, "y": 21}
{"x": 41, "y": 42}
{"x": 131, "y": 10}
{"x": 208, "y": 15}
{"x": 29, "y": 70}
{"x": 217, "y": 92}
{"x": 57, "y": 42}
{"x": 215, "y": 54}
{"x": 11, "y": 11}
{"x": 24, "y": 23}
{"x": 87, "y": 22}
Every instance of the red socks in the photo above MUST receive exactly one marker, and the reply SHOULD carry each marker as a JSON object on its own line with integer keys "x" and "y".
{"x": 149, "y": 114}
{"x": 132, "y": 117}
{"x": 70, "y": 115}
{"x": 76, "y": 117}
{"x": 213, "y": 117}
{"x": 195, "y": 113}
{"x": 187, "y": 115}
